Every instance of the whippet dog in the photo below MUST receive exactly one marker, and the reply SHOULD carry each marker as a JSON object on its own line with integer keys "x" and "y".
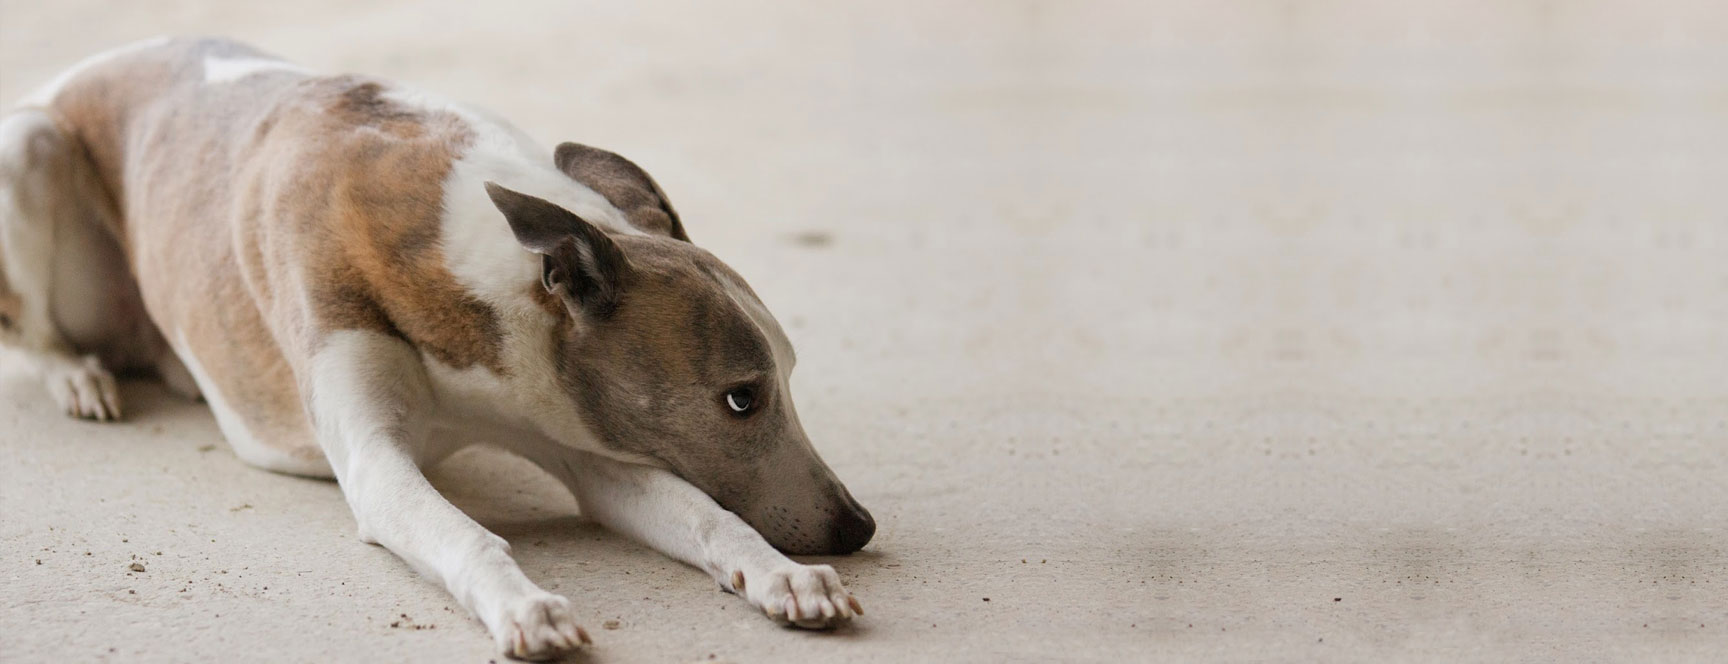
{"x": 360, "y": 279}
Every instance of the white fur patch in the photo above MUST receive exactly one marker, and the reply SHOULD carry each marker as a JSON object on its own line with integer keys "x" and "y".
{"x": 485, "y": 258}
{"x": 45, "y": 94}
{"x": 227, "y": 70}
{"x": 363, "y": 383}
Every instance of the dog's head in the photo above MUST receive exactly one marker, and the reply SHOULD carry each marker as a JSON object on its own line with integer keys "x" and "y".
{"x": 669, "y": 355}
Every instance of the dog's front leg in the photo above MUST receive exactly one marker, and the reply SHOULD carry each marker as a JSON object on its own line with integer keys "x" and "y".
{"x": 368, "y": 395}
{"x": 660, "y": 509}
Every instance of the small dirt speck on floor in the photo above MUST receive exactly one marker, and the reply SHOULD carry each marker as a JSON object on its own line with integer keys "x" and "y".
{"x": 611, "y": 624}
{"x": 136, "y": 567}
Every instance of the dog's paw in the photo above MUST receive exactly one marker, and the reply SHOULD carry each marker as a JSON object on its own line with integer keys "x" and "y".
{"x": 538, "y": 627}
{"x": 84, "y": 389}
{"x": 808, "y": 596}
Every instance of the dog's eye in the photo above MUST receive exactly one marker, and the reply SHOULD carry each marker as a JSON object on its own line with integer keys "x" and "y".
{"x": 740, "y": 400}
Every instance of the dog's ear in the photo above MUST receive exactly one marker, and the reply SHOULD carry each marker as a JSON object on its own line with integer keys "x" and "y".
{"x": 578, "y": 261}
{"x": 624, "y": 184}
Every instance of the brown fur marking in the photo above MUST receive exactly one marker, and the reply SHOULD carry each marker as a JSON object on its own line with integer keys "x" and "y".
{"x": 382, "y": 233}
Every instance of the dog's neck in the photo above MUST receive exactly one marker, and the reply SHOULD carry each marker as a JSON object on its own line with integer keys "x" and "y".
{"x": 522, "y": 390}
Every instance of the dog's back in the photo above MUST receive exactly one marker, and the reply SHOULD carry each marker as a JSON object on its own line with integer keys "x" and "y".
{"x": 315, "y": 205}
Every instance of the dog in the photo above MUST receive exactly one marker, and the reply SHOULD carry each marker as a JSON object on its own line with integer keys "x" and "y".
{"x": 361, "y": 279}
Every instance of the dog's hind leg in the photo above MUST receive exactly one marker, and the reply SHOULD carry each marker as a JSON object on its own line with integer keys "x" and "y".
{"x": 63, "y": 280}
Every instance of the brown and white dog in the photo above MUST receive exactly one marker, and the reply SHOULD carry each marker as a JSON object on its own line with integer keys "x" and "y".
{"x": 361, "y": 279}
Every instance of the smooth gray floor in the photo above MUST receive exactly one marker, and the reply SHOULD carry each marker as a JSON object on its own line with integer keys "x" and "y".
{"x": 1199, "y": 331}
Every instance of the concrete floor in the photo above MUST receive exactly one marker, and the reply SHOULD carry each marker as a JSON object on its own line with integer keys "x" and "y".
{"x": 1258, "y": 331}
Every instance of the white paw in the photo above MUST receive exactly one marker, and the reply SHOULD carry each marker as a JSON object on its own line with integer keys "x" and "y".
{"x": 84, "y": 389}
{"x": 538, "y": 627}
{"x": 808, "y": 596}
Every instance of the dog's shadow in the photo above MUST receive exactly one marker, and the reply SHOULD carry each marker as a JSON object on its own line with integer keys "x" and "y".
{"x": 521, "y": 503}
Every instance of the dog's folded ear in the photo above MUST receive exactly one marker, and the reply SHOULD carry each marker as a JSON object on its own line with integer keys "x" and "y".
{"x": 624, "y": 184}
{"x": 578, "y": 261}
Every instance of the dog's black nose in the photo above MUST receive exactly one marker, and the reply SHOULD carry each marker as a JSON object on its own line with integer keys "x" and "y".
{"x": 853, "y": 529}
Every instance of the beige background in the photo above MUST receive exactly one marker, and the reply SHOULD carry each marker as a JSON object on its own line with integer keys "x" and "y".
{"x": 1222, "y": 331}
